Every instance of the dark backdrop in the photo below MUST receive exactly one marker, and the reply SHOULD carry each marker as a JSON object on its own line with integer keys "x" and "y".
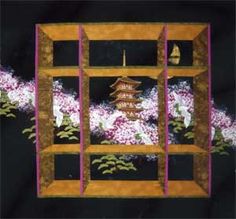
{"x": 18, "y": 181}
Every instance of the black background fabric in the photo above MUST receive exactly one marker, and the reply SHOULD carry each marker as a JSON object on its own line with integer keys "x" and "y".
{"x": 18, "y": 175}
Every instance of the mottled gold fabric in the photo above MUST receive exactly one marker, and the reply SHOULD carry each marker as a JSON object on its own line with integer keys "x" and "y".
{"x": 86, "y": 128}
{"x": 200, "y": 172}
{"x": 161, "y": 49}
{"x": 161, "y": 110}
{"x": 123, "y": 31}
{"x": 200, "y": 53}
{"x": 85, "y": 110}
{"x": 86, "y": 170}
{"x": 46, "y": 170}
{"x": 201, "y": 110}
{"x": 85, "y": 49}
{"x": 45, "y": 107}
{"x": 45, "y": 50}
{"x": 161, "y": 126}
{"x": 161, "y": 169}
{"x": 200, "y": 84}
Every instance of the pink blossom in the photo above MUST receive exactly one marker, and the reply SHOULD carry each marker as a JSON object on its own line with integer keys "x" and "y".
{"x": 110, "y": 122}
{"x": 130, "y": 132}
{"x": 23, "y": 95}
{"x": 229, "y": 133}
{"x": 7, "y": 81}
{"x": 67, "y": 102}
{"x": 220, "y": 119}
{"x": 149, "y": 104}
{"x": 183, "y": 92}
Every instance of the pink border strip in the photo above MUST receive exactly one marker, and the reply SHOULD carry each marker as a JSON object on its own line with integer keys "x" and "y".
{"x": 209, "y": 108}
{"x": 80, "y": 58}
{"x": 166, "y": 112}
{"x": 37, "y": 111}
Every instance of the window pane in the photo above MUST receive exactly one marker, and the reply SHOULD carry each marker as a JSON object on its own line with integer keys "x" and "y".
{"x": 123, "y": 112}
{"x": 124, "y": 167}
{"x": 65, "y": 53}
{"x": 67, "y": 167}
{"x": 110, "y": 53}
{"x": 66, "y": 110}
{"x": 180, "y": 167}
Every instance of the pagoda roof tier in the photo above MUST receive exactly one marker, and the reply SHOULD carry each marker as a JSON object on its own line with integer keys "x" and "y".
{"x": 125, "y": 80}
{"x": 132, "y": 117}
{"x": 126, "y": 100}
{"x": 125, "y": 91}
{"x": 130, "y": 109}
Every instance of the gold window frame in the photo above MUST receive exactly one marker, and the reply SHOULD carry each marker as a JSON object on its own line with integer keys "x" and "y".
{"x": 46, "y": 149}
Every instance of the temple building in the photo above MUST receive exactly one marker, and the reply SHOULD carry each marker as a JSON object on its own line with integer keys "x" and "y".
{"x": 124, "y": 94}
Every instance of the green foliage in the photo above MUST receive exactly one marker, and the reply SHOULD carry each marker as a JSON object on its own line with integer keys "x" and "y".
{"x": 68, "y": 131}
{"x": 107, "y": 172}
{"x": 177, "y": 108}
{"x": 100, "y": 125}
{"x": 220, "y": 145}
{"x": 106, "y": 142}
{"x": 30, "y": 132}
{"x": 103, "y": 165}
{"x": 189, "y": 135}
{"x": 6, "y": 106}
{"x": 32, "y": 135}
{"x": 96, "y": 161}
{"x": 137, "y": 136}
{"x": 177, "y": 124}
{"x": 120, "y": 162}
{"x": 179, "y": 128}
{"x": 111, "y": 164}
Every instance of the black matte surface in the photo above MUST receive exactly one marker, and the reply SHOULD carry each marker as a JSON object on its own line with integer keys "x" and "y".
{"x": 65, "y": 53}
{"x": 180, "y": 167}
{"x": 67, "y": 167}
{"x": 110, "y": 53}
{"x": 18, "y": 175}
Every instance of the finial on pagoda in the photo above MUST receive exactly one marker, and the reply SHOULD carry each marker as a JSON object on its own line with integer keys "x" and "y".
{"x": 124, "y": 58}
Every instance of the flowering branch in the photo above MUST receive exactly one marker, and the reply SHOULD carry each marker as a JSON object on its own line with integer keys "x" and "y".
{"x": 111, "y": 124}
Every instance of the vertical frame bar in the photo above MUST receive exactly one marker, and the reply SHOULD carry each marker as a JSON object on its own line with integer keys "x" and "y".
{"x": 200, "y": 55}
{"x": 163, "y": 111}
{"x": 36, "y": 111}
{"x": 44, "y": 110}
{"x": 161, "y": 49}
{"x": 209, "y": 107}
{"x": 166, "y": 111}
{"x": 202, "y": 130}
{"x": 81, "y": 111}
{"x": 84, "y": 110}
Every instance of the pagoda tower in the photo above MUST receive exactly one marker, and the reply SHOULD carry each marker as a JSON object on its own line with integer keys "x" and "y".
{"x": 124, "y": 95}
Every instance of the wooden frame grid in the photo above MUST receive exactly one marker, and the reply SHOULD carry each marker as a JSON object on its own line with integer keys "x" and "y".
{"x": 46, "y": 149}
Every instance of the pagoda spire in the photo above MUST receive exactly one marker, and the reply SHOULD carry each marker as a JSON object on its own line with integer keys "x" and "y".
{"x": 124, "y": 94}
{"x": 124, "y": 58}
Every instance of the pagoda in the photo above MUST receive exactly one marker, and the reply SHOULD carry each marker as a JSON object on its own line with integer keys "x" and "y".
{"x": 124, "y": 95}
